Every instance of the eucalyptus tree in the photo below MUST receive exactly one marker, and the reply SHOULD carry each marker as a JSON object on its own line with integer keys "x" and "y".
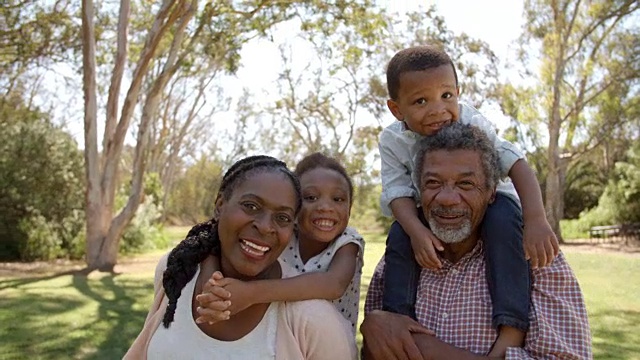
{"x": 589, "y": 64}
{"x": 175, "y": 34}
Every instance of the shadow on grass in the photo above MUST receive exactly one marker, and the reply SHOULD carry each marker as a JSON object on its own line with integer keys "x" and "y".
{"x": 613, "y": 333}
{"x": 17, "y": 282}
{"x": 116, "y": 313}
{"x": 53, "y": 321}
{"x": 26, "y": 331}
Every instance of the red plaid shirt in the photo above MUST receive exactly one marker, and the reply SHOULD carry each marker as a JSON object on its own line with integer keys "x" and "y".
{"x": 454, "y": 302}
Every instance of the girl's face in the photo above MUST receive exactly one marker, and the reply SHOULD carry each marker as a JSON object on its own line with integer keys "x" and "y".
{"x": 326, "y": 205}
{"x": 255, "y": 224}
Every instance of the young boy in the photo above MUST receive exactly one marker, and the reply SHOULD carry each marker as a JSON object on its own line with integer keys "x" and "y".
{"x": 423, "y": 90}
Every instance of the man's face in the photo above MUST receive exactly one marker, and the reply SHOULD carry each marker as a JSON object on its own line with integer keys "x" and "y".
{"x": 454, "y": 194}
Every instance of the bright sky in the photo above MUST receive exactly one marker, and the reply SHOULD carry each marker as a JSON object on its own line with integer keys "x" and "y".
{"x": 498, "y": 22}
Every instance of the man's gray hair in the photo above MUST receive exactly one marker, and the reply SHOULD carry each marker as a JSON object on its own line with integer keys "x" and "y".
{"x": 459, "y": 136}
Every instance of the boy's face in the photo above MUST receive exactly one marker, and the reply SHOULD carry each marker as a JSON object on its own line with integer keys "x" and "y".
{"x": 427, "y": 100}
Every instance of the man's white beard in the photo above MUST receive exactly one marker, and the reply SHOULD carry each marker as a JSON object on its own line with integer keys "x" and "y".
{"x": 450, "y": 234}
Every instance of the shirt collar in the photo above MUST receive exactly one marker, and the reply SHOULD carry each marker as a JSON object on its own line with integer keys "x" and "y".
{"x": 408, "y": 132}
{"x": 474, "y": 253}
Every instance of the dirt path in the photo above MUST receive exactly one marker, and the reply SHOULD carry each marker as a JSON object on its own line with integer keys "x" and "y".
{"x": 127, "y": 265}
{"x": 147, "y": 262}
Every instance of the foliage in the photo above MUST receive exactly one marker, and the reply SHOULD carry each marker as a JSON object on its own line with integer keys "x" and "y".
{"x": 34, "y": 33}
{"x": 48, "y": 240}
{"x": 586, "y": 86}
{"x": 584, "y": 185}
{"x": 620, "y": 202}
{"x": 574, "y": 229}
{"x": 144, "y": 233}
{"x": 193, "y": 197}
{"x": 366, "y": 209}
{"x": 41, "y": 184}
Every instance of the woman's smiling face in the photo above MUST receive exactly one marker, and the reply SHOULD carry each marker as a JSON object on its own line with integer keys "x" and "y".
{"x": 255, "y": 224}
{"x": 326, "y": 205}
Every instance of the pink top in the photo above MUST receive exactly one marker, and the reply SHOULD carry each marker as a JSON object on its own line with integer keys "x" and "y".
{"x": 310, "y": 329}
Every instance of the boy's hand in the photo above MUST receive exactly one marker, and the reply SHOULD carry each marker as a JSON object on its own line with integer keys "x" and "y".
{"x": 540, "y": 243}
{"x": 213, "y": 302}
{"x": 424, "y": 245}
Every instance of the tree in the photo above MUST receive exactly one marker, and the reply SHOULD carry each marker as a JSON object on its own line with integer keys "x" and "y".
{"x": 587, "y": 50}
{"x": 325, "y": 104}
{"x": 178, "y": 32}
{"x": 34, "y": 34}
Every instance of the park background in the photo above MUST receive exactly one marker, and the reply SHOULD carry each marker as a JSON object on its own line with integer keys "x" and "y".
{"x": 117, "y": 119}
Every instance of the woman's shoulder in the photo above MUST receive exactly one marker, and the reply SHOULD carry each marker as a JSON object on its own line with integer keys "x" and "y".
{"x": 315, "y": 312}
{"x": 320, "y": 329}
{"x": 161, "y": 266}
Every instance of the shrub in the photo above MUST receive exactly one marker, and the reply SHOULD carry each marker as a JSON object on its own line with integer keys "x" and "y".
{"x": 144, "y": 233}
{"x": 41, "y": 183}
{"x": 42, "y": 241}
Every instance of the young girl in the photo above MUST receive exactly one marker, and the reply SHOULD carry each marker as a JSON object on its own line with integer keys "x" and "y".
{"x": 326, "y": 253}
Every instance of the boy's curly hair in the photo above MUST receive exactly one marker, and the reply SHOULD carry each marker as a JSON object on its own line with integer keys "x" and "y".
{"x": 417, "y": 58}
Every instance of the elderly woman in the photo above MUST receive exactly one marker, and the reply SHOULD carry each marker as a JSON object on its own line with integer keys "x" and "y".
{"x": 255, "y": 211}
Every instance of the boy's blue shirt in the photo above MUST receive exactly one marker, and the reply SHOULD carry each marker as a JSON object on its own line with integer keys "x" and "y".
{"x": 397, "y": 153}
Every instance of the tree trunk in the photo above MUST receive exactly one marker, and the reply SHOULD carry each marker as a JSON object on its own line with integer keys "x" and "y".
{"x": 554, "y": 192}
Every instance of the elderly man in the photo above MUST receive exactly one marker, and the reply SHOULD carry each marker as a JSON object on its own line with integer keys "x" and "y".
{"x": 457, "y": 177}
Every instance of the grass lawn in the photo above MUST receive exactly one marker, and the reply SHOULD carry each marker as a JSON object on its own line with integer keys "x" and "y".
{"x": 66, "y": 316}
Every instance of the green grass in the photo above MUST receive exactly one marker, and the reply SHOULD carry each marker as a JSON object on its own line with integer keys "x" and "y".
{"x": 97, "y": 317}
{"x": 611, "y": 287}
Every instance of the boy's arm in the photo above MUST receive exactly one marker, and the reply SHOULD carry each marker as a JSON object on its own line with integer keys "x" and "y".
{"x": 540, "y": 243}
{"x": 396, "y": 177}
{"x": 423, "y": 241}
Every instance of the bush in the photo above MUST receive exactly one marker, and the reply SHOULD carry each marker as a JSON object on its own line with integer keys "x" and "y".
{"x": 42, "y": 241}
{"x": 48, "y": 240}
{"x": 574, "y": 229}
{"x": 144, "y": 233}
{"x": 620, "y": 202}
{"x": 41, "y": 184}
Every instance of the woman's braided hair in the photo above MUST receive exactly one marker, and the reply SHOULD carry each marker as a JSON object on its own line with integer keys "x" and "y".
{"x": 202, "y": 240}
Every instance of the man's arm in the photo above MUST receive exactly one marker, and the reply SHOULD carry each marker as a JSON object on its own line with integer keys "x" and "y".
{"x": 559, "y": 325}
{"x": 385, "y": 337}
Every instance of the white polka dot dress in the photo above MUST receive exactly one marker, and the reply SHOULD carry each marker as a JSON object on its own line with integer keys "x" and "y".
{"x": 347, "y": 305}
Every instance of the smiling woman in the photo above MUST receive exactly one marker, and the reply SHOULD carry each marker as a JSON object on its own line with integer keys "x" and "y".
{"x": 257, "y": 203}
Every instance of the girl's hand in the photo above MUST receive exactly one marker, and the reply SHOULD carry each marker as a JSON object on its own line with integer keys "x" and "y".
{"x": 240, "y": 293}
{"x": 214, "y": 301}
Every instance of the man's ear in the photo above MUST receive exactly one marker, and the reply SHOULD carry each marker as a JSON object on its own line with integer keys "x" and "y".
{"x": 492, "y": 198}
{"x": 457, "y": 90}
{"x": 395, "y": 110}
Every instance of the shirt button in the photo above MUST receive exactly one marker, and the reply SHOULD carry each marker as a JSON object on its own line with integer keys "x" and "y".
{"x": 444, "y": 315}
